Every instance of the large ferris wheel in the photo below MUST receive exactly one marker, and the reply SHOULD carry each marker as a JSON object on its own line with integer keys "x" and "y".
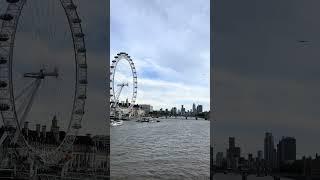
{"x": 116, "y": 89}
{"x": 13, "y": 115}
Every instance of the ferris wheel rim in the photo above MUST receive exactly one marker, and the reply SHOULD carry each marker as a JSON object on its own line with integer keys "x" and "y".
{"x": 12, "y": 15}
{"x": 119, "y": 57}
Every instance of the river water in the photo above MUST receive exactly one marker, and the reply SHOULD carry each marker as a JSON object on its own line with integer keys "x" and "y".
{"x": 170, "y": 149}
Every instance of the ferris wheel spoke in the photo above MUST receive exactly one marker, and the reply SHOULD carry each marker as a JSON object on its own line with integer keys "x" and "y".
{"x": 27, "y": 109}
{"x": 24, "y": 90}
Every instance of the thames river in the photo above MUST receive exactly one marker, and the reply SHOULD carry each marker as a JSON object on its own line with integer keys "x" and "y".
{"x": 169, "y": 149}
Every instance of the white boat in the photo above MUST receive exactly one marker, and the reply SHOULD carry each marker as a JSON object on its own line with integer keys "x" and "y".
{"x": 116, "y": 123}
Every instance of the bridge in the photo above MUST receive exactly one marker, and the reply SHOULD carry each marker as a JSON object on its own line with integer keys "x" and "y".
{"x": 275, "y": 175}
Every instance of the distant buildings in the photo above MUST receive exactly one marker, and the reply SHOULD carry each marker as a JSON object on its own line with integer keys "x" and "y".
{"x": 233, "y": 154}
{"x": 194, "y": 110}
{"x": 199, "y": 109}
{"x": 183, "y": 110}
{"x": 259, "y": 155}
{"x": 269, "y": 154}
{"x": 147, "y": 108}
{"x": 286, "y": 150}
{"x": 88, "y": 153}
{"x": 174, "y": 111}
{"x": 219, "y": 159}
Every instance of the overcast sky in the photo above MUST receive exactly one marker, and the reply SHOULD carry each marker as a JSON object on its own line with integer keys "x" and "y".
{"x": 169, "y": 44}
{"x": 265, "y": 79}
{"x": 43, "y": 40}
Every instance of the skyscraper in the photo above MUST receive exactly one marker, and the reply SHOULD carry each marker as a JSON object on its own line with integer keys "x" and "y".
{"x": 269, "y": 149}
{"x": 183, "y": 110}
{"x": 259, "y": 154}
{"x": 194, "y": 110}
{"x": 233, "y": 154}
{"x": 199, "y": 109}
{"x": 231, "y": 142}
{"x": 219, "y": 159}
{"x": 286, "y": 150}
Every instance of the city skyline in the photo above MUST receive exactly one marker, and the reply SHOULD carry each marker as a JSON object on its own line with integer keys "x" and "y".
{"x": 169, "y": 45}
{"x": 266, "y": 79}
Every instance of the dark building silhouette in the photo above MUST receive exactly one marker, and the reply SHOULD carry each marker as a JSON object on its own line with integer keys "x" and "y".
{"x": 286, "y": 150}
{"x": 199, "y": 109}
{"x": 269, "y": 154}
{"x": 233, "y": 154}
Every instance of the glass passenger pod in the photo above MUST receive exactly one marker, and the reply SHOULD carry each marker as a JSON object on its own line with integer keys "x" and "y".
{"x": 80, "y": 112}
{"x": 4, "y": 37}
{"x": 12, "y": 1}
{"x": 3, "y": 60}
{"x": 3, "y": 84}
{"x": 4, "y": 107}
{"x": 82, "y": 50}
{"x": 77, "y": 20}
{"x": 6, "y": 17}
{"x": 71, "y": 6}
{"x": 84, "y": 66}
{"x": 83, "y": 81}
{"x": 82, "y": 97}
{"x": 79, "y": 35}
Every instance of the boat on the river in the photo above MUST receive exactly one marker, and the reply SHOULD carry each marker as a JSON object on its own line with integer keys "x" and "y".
{"x": 144, "y": 119}
{"x": 116, "y": 122}
{"x": 147, "y": 119}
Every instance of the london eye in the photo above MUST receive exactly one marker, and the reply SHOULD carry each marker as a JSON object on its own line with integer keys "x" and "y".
{"x": 18, "y": 97}
{"x": 117, "y": 88}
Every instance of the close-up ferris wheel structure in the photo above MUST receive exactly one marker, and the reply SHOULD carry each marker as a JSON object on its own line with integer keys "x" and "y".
{"x": 116, "y": 88}
{"x": 16, "y": 103}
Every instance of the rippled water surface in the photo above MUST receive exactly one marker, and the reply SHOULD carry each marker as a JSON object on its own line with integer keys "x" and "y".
{"x": 170, "y": 149}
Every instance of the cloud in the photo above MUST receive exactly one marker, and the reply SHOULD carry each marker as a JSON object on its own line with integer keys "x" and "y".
{"x": 169, "y": 44}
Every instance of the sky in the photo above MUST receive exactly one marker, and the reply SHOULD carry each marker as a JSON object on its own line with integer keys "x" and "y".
{"x": 43, "y": 40}
{"x": 265, "y": 80}
{"x": 170, "y": 46}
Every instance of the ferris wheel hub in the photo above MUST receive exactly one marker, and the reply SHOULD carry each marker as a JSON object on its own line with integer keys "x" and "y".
{"x": 42, "y": 74}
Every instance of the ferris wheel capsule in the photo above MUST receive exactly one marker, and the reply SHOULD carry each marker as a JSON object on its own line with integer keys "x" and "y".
{"x": 3, "y": 61}
{"x": 4, "y": 37}
{"x": 77, "y": 20}
{"x": 79, "y": 35}
{"x": 12, "y": 1}
{"x": 71, "y": 6}
{"x": 82, "y": 50}
{"x": 80, "y": 111}
{"x": 84, "y": 66}
{"x": 82, "y": 97}
{"x": 3, "y": 84}
{"x": 4, "y": 107}
{"x": 83, "y": 81}
{"x": 6, "y": 17}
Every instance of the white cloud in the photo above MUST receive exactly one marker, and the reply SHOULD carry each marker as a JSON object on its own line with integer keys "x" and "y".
{"x": 169, "y": 43}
